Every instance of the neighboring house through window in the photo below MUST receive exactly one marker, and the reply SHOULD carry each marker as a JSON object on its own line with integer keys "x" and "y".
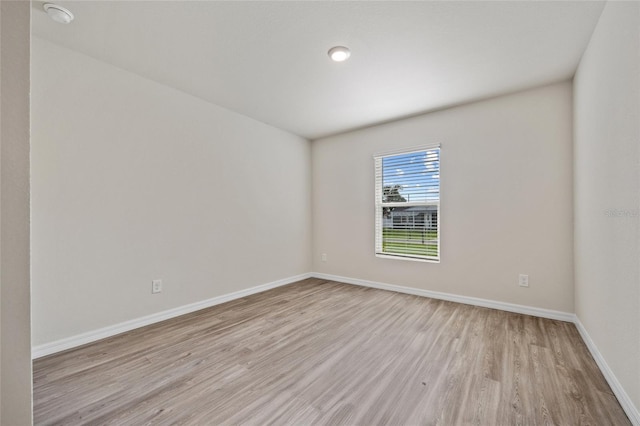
{"x": 408, "y": 204}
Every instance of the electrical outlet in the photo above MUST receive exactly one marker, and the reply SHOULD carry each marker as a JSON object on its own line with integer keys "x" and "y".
{"x": 156, "y": 286}
{"x": 324, "y": 257}
{"x": 523, "y": 280}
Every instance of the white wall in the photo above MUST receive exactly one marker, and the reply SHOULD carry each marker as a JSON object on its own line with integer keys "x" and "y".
{"x": 15, "y": 332}
{"x": 133, "y": 180}
{"x": 607, "y": 192}
{"x": 506, "y": 206}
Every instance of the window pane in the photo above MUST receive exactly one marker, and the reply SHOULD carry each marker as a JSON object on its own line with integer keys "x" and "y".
{"x": 411, "y": 231}
{"x": 412, "y": 177}
{"x": 407, "y": 188}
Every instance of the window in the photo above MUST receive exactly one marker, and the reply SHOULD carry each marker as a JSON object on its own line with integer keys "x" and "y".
{"x": 408, "y": 204}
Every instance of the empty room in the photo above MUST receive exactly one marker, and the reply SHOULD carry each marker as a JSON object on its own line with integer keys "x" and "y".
{"x": 320, "y": 212}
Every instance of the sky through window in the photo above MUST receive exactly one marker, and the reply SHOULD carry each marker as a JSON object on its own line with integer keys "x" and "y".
{"x": 415, "y": 175}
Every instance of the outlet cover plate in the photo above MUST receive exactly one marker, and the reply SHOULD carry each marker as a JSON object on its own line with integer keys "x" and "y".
{"x": 523, "y": 280}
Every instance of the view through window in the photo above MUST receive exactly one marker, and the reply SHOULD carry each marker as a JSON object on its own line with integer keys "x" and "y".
{"x": 408, "y": 204}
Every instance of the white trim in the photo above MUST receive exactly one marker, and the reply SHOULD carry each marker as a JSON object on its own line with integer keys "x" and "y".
{"x": 429, "y": 202}
{"x": 92, "y": 336}
{"x": 493, "y": 304}
{"x": 623, "y": 398}
{"x": 408, "y": 150}
{"x": 406, "y": 257}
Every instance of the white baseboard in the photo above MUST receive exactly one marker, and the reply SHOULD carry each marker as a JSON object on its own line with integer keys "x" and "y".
{"x": 623, "y": 398}
{"x": 92, "y": 336}
{"x": 503, "y": 306}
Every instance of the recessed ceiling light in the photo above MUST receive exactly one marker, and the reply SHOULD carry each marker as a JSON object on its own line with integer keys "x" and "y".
{"x": 58, "y": 13}
{"x": 339, "y": 53}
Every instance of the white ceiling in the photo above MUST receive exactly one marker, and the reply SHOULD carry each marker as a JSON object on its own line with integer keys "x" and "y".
{"x": 268, "y": 59}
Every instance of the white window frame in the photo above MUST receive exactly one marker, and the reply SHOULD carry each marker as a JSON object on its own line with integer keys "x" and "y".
{"x": 379, "y": 205}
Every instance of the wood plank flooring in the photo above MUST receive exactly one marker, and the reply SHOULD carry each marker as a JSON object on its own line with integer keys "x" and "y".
{"x": 321, "y": 352}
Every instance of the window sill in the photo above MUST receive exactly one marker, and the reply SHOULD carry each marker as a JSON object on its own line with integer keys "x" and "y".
{"x": 412, "y": 259}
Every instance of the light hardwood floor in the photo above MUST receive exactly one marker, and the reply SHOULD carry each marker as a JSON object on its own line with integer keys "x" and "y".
{"x": 318, "y": 352}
